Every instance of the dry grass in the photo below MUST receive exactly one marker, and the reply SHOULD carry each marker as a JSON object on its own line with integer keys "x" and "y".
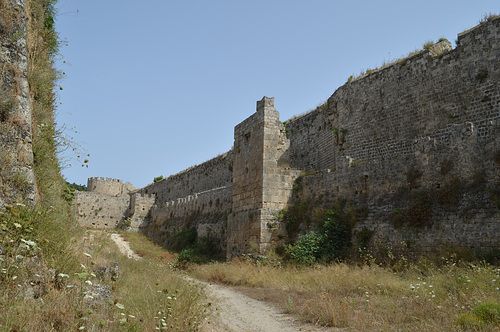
{"x": 147, "y": 295}
{"x": 146, "y": 248}
{"x": 424, "y": 297}
{"x": 148, "y": 288}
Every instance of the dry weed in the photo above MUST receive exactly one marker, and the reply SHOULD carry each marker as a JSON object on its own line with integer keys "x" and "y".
{"x": 422, "y": 298}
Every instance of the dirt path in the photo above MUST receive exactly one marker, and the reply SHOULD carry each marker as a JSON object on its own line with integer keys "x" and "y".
{"x": 124, "y": 247}
{"x": 235, "y": 312}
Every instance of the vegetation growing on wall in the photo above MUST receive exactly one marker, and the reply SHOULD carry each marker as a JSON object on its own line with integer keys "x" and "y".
{"x": 194, "y": 249}
{"x": 401, "y": 61}
{"x": 416, "y": 208}
{"x": 328, "y": 243}
{"x": 322, "y": 235}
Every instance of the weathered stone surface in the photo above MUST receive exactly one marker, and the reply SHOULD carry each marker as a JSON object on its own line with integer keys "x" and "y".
{"x": 113, "y": 187}
{"x": 17, "y": 180}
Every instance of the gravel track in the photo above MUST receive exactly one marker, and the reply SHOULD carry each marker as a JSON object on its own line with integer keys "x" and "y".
{"x": 236, "y": 312}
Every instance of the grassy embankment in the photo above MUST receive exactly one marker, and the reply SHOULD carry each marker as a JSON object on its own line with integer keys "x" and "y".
{"x": 50, "y": 276}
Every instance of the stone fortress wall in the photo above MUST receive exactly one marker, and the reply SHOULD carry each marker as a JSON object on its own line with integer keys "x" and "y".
{"x": 415, "y": 142}
{"x": 101, "y": 211}
{"x": 214, "y": 173}
{"x": 17, "y": 178}
{"x": 197, "y": 197}
{"x": 113, "y": 187}
{"x": 107, "y": 202}
{"x": 434, "y": 116}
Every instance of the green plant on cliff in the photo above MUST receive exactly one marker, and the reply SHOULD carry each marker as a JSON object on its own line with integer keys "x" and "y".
{"x": 158, "y": 178}
{"x": 363, "y": 237}
{"x": 488, "y": 17}
{"x": 287, "y": 130}
{"x": 297, "y": 183}
{"x": 419, "y": 212}
{"x": 428, "y": 44}
{"x": 79, "y": 187}
{"x": 42, "y": 77}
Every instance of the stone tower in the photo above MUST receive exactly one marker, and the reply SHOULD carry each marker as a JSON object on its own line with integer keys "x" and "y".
{"x": 262, "y": 180}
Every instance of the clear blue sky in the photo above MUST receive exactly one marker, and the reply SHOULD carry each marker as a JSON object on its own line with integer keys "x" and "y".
{"x": 154, "y": 87}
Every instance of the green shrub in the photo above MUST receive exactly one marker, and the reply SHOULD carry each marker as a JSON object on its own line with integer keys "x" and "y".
{"x": 158, "y": 178}
{"x": 184, "y": 239}
{"x": 488, "y": 312}
{"x": 306, "y": 249}
{"x": 496, "y": 157}
{"x": 287, "y": 130}
{"x": 7, "y": 104}
{"x": 187, "y": 255}
{"x": 468, "y": 320}
{"x": 194, "y": 249}
{"x": 483, "y": 314}
{"x": 204, "y": 250}
{"x": 446, "y": 166}
{"x": 296, "y": 215}
{"x": 328, "y": 243}
{"x": 363, "y": 237}
{"x": 449, "y": 195}
{"x": 397, "y": 218}
{"x": 79, "y": 187}
{"x": 412, "y": 176}
{"x": 336, "y": 235}
{"x": 297, "y": 184}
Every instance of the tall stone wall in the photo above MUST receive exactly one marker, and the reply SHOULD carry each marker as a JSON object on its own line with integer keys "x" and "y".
{"x": 206, "y": 211}
{"x": 214, "y": 173}
{"x": 139, "y": 209}
{"x": 427, "y": 125}
{"x": 17, "y": 180}
{"x": 108, "y": 203}
{"x": 197, "y": 197}
{"x": 100, "y": 211}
